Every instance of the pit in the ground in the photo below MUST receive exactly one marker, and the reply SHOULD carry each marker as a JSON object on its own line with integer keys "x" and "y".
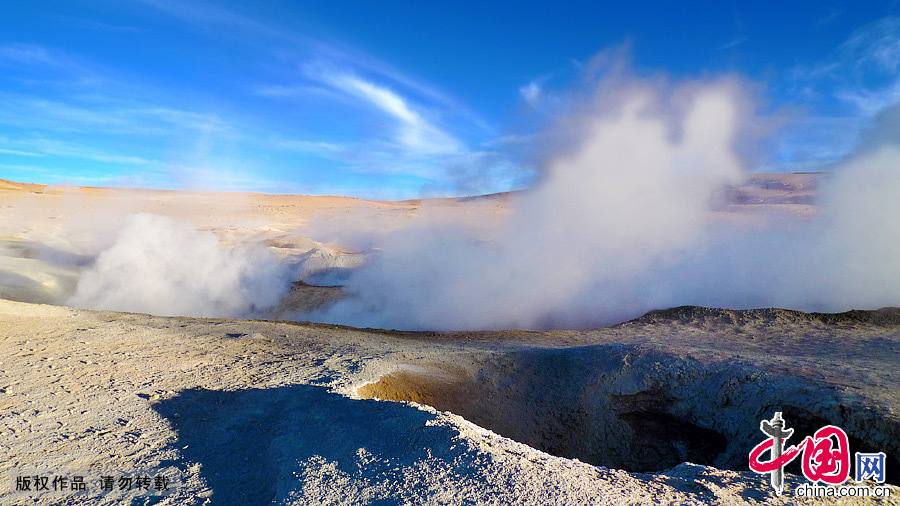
{"x": 635, "y": 434}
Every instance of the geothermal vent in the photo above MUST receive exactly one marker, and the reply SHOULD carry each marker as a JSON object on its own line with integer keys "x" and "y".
{"x": 625, "y": 407}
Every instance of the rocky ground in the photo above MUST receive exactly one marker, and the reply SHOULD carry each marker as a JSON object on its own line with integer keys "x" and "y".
{"x": 254, "y": 412}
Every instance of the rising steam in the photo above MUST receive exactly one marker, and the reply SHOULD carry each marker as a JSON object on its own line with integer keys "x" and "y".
{"x": 621, "y": 223}
{"x": 625, "y": 218}
{"x": 157, "y": 265}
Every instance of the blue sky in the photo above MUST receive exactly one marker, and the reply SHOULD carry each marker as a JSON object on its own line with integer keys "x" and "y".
{"x": 393, "y": 99}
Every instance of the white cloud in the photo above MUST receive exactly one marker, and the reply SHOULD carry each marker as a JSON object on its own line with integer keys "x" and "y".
{"x": 52, "y": 62}
{"x": 859, "y": 80}
{"x": 863, "y": 71}
{"x": 870, "y": 103}
{"x": 416, "y": 140}
{"x": 415, "y": 132}
{"x": 419, "y": 129}
{"x": 17, "y": 152}
{"x": 531, "y": 93}
{"x": 206, "y": 15}
{"x": 293, "y": 91}
{"x": 49, "y": 147}
{"x": 102, "y": 113}
{"x": 307, "y": 146}
{"x": 383, "y": 98}
{"x": 877, "y": 44}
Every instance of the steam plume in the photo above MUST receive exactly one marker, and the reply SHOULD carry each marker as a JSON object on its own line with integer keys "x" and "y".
{"x": 160, "y": 266}
{"x": 621, "y": 224}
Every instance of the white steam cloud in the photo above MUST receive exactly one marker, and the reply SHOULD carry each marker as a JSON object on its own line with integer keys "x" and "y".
{"x": 622, "y": 223}
{"x": 160, "y": 266}
{"x": 626, "y": 218}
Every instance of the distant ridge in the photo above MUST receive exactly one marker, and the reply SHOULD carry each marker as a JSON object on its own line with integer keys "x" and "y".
{"x": 888, "y": 316}
{"x": 759, "y": 188}
{"x": 6, "y": 184}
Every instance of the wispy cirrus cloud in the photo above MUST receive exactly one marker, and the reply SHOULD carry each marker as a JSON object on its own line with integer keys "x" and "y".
{"x": 413, "y": 131}
{"x": 341, "y": 56}
{"x": 870, "y": 61}
{"x": 33, "y": 147}
{"x": 323, "y": 148}
{"x": 876, "y": 45}
{"x": 30, "y": 54}
{"x": 855, "y": 83}
{"x": 401, "y": 125}
{"x": 308, "y": 52}
{"x": 18, "y": 152}
{"x": 20, "y": 59}
{"x": 101, "y": 113}
{"x": 315, "y": 107}
{"x": 293, "y": 47}
{"x": 295, "y": 91}
{"x": 56, "y": 90}
{"x": 61, "y": 112}
{"x": 205, "y": 15}
{"x": 864, "y": 71}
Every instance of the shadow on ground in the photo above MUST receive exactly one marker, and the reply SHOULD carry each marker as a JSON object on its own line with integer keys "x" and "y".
{"x": 250, "y": 442}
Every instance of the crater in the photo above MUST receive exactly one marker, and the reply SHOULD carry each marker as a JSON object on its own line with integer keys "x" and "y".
{"x": 624, "y": 407}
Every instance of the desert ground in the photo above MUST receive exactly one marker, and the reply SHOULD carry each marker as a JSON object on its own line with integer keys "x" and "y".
{"x": 658, "y": 410}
